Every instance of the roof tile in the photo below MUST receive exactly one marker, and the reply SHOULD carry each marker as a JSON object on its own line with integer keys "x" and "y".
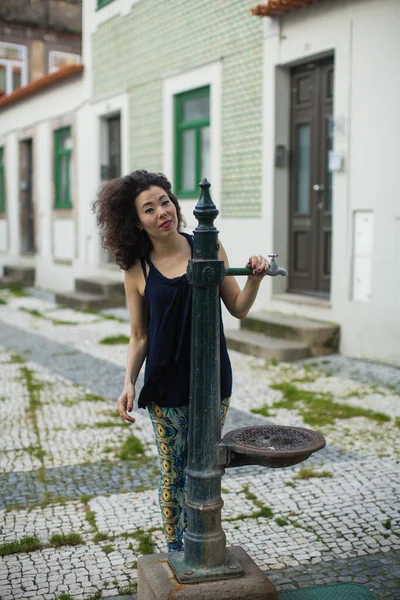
{"x": 276, "y": 8}
{"x": 40, "y": 84}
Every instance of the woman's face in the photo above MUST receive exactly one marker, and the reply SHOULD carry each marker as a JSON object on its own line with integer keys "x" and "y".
{"x": 156, "y": 212}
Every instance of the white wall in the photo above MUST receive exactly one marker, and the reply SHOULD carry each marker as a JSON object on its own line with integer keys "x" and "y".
{"x": 68, "y": 244}
{"x": 363, "y": 36}
{"x": 36, "y": 117}
{"x": 91, "y": 119}
{"x": 54, "y": 102}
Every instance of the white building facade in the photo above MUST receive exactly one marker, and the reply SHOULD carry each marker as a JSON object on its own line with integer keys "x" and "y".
{"x": 331, "y": 198}
{"x": 329, "y": 127}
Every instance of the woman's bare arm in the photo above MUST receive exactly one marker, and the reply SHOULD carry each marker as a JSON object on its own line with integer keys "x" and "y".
{"x": 238, "y": 301}
{"x": 138, "y": 343}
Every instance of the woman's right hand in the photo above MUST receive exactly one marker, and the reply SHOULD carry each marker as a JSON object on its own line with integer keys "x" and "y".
{"x": 125, "y": 402}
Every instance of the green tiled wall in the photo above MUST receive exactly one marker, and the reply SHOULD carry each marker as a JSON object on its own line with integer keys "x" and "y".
{"x": 159, "y": 38}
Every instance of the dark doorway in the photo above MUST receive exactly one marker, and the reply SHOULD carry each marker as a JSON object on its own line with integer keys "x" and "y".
{"x": 310, "y": 180}
{"x": 113, "y": 137}
{"x": 26, "y": 212}
{"x": 114, "y": 146}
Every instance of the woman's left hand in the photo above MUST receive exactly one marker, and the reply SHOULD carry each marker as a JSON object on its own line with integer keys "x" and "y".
{"x": 259, "y": 264}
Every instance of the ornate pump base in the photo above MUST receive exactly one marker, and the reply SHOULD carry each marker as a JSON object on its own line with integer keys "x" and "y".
{"x": 184, "y": 574}
{"x": 157, "y": 581}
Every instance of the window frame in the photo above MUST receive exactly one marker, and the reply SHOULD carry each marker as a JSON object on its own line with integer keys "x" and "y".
{"x": 101, "y": 3}
{"x": 58, "y": 153}
{"x": 9, "y": 63}
{"x": 53, "y": 53}
{"x": 180, "y": 125}
{"x": 2, "y": 182}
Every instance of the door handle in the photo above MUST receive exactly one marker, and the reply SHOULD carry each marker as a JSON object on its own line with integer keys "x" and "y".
{"x": 318, "y": 187}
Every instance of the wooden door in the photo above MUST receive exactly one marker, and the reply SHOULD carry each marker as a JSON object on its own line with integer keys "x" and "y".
{"x": 26, "y": 212}
{"x": 310, "y": 180}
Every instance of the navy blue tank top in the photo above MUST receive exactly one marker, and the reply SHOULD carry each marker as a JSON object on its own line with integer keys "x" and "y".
{"x": 167, "y": 372}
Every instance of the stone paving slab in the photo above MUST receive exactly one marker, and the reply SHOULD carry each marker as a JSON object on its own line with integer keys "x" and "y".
{"x": 61, "y": 473}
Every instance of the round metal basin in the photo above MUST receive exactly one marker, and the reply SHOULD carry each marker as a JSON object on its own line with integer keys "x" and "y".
{"x": 271, "y": 445}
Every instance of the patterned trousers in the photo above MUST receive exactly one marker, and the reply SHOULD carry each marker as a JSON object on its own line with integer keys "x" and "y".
{"x": 171, "y": 428}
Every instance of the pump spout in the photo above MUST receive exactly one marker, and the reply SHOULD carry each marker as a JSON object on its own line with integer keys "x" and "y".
{"x": 273, "y": 267}
{"x": 272, "y": 271}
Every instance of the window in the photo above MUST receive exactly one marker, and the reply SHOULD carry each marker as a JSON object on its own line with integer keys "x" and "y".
{"x": 192, "y": 140}
{"x": 2, "y": 183}
{"x": 101, "y": 3}
{"x": 58, "y": 60}
{"x": 13, "y": 67}
{"x": 62, "y": 168}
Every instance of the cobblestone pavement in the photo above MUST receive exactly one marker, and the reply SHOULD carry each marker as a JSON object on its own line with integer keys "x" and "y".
{"x": 82, "y": 483}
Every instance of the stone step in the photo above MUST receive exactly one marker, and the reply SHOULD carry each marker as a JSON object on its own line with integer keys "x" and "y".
{"x": 100, "y": 285}
{"x": 264, "y": 346}
{"x": 321, "y": 337}
{"x": 23, "y": 275}
{"x": 88, "y": 301}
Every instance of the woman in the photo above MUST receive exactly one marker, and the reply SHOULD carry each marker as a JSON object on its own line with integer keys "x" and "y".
{"x": 140, "y": 222}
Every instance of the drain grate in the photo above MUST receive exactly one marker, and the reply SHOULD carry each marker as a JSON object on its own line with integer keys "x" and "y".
{"x": 343, "y": 591}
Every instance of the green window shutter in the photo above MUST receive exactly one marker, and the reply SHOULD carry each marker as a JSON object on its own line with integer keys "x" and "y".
{"x": 2, "y": 182}
{"x": 191, "y": 140}
{"x": 62, "y": 168}
{"x": 101, "y": 3}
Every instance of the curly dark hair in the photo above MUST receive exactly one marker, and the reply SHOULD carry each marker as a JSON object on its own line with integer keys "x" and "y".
{"x": 117, "y": 217}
